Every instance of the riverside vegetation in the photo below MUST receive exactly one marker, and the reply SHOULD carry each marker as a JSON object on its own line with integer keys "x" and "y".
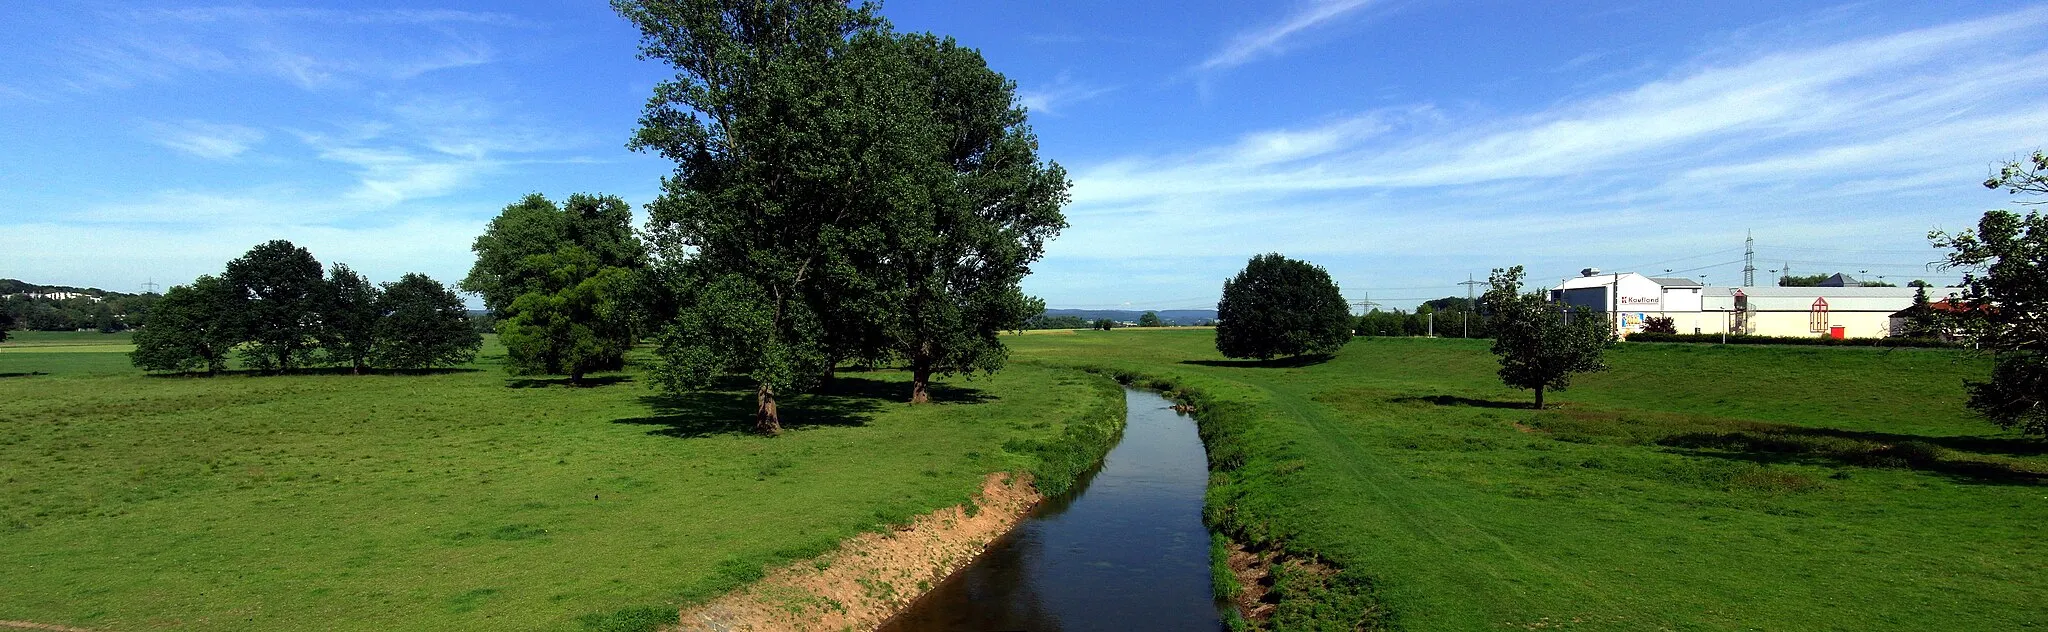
{"x": 1688, "y": 488}
{"x": 462, "y": 499}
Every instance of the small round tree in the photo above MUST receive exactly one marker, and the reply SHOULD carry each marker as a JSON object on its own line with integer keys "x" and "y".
{"x": 1281, "y": 307}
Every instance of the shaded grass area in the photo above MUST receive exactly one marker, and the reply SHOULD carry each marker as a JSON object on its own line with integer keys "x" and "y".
{"x": 464, "y": 499}
{"x": 1691, "y": 488}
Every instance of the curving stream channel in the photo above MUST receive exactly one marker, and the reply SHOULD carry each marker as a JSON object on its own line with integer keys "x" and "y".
{"x": 1125, "y": 551}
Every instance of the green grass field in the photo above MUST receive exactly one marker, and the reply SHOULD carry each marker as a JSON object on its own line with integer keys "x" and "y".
{"x": 1690, "y": 488}
{"x": 459, "y": 500}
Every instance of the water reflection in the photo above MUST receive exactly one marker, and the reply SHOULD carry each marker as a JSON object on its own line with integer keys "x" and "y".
{"x": 1125, "y": 551}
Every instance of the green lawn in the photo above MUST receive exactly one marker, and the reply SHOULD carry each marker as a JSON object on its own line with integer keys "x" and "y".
{"x": 458, "y": 500}
{"x": 1690, "y": 488}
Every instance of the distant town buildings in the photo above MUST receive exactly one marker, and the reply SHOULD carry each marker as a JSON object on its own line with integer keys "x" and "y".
{"x": 1838, "y": 308}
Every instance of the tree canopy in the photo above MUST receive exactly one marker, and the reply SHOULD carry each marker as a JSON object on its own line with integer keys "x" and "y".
{"x": 2004, "y": 302}
{"x": 1278, "y": 306}
{"x": 285, "y": 291}
{"x": 574, "y": 321}
{"x": 602, "y": 225}
{"x": 192, "y": 328}
{"x": 1542, "y": 344}
{"x": 422, "y": 324}
{"x": 348, "y": 317}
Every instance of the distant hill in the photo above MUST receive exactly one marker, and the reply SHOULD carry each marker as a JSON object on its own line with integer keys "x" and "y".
{"x": 1169, "y": 316}
{"x": 18, "y": 286}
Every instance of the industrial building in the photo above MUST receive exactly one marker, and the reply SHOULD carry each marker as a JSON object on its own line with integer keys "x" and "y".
{"x": 1840, "y": 311}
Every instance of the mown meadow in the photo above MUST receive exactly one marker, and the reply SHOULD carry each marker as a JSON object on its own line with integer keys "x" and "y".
{"x": 460, "y": 499}
{"x": 1692, "y": 487}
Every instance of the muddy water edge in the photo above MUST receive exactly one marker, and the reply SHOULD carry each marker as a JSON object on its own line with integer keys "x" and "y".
{"x": 1125, "y": 550}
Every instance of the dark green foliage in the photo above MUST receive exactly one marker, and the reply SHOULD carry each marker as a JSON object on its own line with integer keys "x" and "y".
{"x": 1044, "y": 321}
{"x": 422, "y": 324}
{"x": 770, "y": 219}
{"x": 574, "y": 321}
{"x": 1149, "y": 319}
{"x": 2004, "y": 303}
{"x": 192, "y": 328}
{"x": 1105, "y": 324}
{"x": 1660, "y": 325}
{"x": 1279, "y": 306}
{"x": 1810, "y": 341}
{"x": 103, "y": 319}
{"x": 1811, "y": 280}
{"x": 285, "y": 290}
{"x": 348, "y": 318}
{"x": 1541, "y": 344}
{"x": 964, "y": 203}
{"x": 602, "y": 225}
{"x": 6, "y": 324}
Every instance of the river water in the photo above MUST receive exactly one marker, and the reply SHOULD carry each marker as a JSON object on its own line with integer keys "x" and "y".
{"x": 1125, "y": 551}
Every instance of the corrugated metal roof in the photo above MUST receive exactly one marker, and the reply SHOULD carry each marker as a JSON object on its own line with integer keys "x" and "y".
{"x": 1675, "y": 282}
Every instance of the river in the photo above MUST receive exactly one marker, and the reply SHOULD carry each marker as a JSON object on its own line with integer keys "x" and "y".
{"x": 1126, "y": 550}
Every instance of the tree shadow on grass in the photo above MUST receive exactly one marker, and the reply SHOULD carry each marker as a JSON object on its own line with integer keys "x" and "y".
{"x": 324, "y": 370}
{"x": 1290, "y": 362}
{"x": 589, "y": 381}
{"x": 2008, "y": 446}
{"x": 1823, "y": 449}
{"x": 729, "y": 407}
{"x": 1454, "y": 400}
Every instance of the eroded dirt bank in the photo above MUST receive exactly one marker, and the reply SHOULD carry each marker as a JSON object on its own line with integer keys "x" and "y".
{"x": 874, "y": 575}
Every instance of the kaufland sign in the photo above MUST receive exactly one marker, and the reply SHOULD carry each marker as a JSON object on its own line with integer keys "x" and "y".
{"x": 1638, "y": 300}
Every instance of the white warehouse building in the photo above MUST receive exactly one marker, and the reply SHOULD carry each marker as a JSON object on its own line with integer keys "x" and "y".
{"x": 1844, "y": 310}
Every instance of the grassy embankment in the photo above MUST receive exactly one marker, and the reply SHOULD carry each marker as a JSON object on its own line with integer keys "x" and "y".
{"x": 1690, "y": 488}
{"x": 462, "y": 499}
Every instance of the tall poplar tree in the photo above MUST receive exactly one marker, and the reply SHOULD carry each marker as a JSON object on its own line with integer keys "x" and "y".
{"x": 978, "y": 209}
{"x": 757, "y": 120}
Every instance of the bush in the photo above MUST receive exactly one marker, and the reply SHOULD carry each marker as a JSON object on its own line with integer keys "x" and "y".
{"x": 1660, "y": 325}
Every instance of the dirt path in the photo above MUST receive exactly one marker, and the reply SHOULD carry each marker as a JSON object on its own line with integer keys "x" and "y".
{"x": 874, "y": 575}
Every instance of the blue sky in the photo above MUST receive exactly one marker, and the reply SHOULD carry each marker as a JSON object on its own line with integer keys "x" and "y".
{"x": 1401, "y": 144}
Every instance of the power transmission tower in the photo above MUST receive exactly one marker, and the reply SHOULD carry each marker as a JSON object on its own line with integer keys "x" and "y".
{"x": 1364, "y": 303}
{"x": 1749, "y": 260}
{"x": 1469, "y": 304}
{"x": 149, "y": 287}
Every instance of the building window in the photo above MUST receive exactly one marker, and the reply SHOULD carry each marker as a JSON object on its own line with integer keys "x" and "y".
{"x": 1820, "y": 315}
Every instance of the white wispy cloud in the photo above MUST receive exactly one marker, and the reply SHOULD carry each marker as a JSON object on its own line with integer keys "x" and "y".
{"x": 1269, "y": 39}
{"x": 215, "y": 141}
{"x": 1872, "y": 134}
{"x": 1063, "y": 90}
{"x": 310, "y": 48}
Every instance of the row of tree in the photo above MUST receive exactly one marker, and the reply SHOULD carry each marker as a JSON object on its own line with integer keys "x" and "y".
{"x": 279, "y": 310}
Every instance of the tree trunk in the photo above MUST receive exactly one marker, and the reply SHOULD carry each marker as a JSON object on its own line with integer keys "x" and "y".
{"x": 1539, "y": 398}
{"x": 920, "y": 378}
{"x": 766, "y": 419}
{"x": 576, "y": 377}
{"x": 356, "y": 367}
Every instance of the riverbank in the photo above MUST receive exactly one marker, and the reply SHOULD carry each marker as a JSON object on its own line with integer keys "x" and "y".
{"x": 466, "y": 499}
{"x": 872, "y": 576}
{"x": 1689, "y": 488}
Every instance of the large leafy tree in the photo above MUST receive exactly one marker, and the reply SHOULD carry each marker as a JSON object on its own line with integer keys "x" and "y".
{"x": 768, "y": 197}
{"x": 192, "y": 328}
{"x": 966, "y": 204}
{"x": 2005, "y": 300}
{"x": 578, "y": 320}
{"x": 348, "y": 318}
{"x": 1278, "y": 306}
{"x": 601, "y": 225}
{"x": 422, "y": 324}
{"x": 1541, "y": 345}
{"x": 285, "y": 289}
